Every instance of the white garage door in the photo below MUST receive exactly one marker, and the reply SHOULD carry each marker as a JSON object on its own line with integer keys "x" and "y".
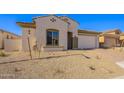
{"x": 87, "y": 42}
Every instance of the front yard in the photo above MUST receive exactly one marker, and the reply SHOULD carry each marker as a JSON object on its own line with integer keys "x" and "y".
{"x": 98, "y": 63}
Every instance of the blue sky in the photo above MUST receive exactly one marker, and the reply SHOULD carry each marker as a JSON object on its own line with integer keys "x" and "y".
{"x": 95, "y": 22}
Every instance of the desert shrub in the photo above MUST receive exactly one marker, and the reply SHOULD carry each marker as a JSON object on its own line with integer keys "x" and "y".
{"x": 92, "y": 68}
{"x": 58, "y": 71}
{"x": 17, "y": 69}
{"x": 121, "y": 49}
{"x": 2, "y": 54}
{"x": 98, "y": 57}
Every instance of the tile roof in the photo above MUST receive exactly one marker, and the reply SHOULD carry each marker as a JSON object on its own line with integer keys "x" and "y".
{"x": 26, "y": 24}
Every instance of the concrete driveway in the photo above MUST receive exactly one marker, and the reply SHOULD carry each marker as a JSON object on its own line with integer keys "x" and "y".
{"x": 121, "y": 64}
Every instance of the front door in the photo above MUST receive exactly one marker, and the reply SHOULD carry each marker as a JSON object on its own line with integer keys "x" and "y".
{"x": 70, "y": 42}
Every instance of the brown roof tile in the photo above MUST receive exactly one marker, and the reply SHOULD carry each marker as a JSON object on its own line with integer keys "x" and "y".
{"x": 26, "y": 24}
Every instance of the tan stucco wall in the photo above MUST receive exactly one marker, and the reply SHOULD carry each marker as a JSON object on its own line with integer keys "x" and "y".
{"x": 9, "y": 35}
{"x": 88, "y": 41}
{"x": 12, "y": 45}
{"x": 1, "y": 40}
{"x": 42, "y": 24}
{"x": 32, "y": 38}
{"x": 101, "y": 39}
{"x": 122, "y": 37}
{"x": 72, "y": 27}
{"x": 4, "y": 35}
{"x": 112, "y": 33}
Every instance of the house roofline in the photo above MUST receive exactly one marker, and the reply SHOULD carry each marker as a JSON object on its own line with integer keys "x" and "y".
{"x": 1, "y": 30}
{"x": 27, "y": 24}
{"x": 88, "y": 32}
{"x": 111, "y": 30}
{"x": 70, "y": 19}
{"x": 48, "y": 16}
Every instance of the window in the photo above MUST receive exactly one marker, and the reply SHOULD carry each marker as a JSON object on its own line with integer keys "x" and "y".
{"x": 52, "y": 37}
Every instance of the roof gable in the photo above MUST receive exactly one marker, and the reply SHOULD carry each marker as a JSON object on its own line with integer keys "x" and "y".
{"x": 50, "y": 16}
{"x": 4, "y": 31}
{"x": 122, "y": 34}
{"x": 65, "y": 18}
{"x": 116, "y": 31}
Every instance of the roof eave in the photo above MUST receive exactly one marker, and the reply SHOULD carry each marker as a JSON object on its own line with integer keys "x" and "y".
{"x": 26, "y": 25}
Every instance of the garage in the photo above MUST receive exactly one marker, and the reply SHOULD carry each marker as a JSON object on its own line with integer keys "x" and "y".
{"x": 87, "y": 40}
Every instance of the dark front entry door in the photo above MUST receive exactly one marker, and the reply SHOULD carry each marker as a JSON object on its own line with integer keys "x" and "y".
{"x": 70, "y": 42}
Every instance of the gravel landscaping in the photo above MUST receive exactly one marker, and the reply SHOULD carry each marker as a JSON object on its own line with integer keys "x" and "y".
{"x": 72, "y": 64}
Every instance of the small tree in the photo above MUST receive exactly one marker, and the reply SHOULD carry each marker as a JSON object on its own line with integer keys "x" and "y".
{"x": 29, "y": 48}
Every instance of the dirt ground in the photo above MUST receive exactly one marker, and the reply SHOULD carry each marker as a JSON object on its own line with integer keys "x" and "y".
{"x": 72, "y": 64}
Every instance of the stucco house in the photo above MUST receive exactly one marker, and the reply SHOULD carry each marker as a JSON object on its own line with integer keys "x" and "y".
{"x": 122, "y": 39}
{"x": 110, "y": 38}
{"x": 49, "y": 33}
{"x": 56, "y": 33}
{"x": 6, "y": 36}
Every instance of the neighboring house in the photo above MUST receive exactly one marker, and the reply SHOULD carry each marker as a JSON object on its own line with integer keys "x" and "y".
{"x": 122, "y": 39}
{"x": 110, "y": 38}
{"x": 4, "y": 36}
{"x": 122, "y": 36}
{"x": 56, "y": 33}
